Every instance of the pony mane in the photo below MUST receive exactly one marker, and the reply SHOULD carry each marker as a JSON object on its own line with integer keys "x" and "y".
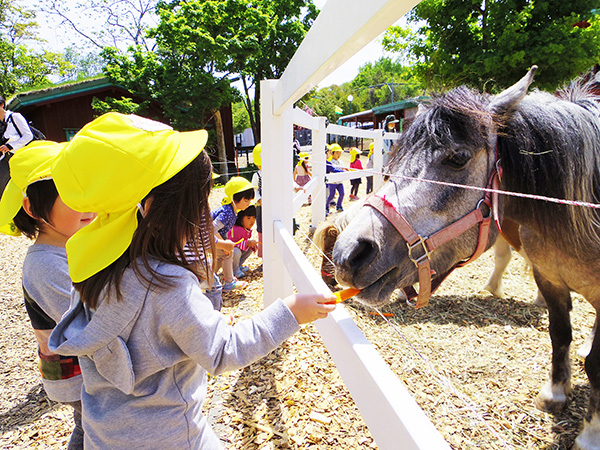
{"x": 550, "y": 145}
{"x": 449, "y": 117}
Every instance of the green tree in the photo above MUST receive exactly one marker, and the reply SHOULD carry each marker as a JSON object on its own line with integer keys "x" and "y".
{"x": 491, "y": 43}
{"x": 21, "y": 67}
{"x": 254, "y": 39}
{"x": 384, "y": 81}
{"x": 241, "y": 121}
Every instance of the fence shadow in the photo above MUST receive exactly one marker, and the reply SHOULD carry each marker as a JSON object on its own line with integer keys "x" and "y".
{"x": 35, "y": 405}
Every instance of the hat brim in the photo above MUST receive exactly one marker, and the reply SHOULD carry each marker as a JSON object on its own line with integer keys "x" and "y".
{"x": 11, "y": 202}
{"x": 191, "y": 143}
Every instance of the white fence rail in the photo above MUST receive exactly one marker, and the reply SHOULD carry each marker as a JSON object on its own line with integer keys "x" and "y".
{"x": 393, "y": 417}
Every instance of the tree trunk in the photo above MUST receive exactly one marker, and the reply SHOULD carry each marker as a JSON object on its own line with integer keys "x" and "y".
{"x": 248, "y": 105}
{"x": 222, "y": 166}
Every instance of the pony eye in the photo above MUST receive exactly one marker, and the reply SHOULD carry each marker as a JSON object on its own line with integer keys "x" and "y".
{"x": 457, "y": 160}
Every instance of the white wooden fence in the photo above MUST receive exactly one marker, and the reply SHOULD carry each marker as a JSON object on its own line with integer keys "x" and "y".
{"x": 393, "y": 417}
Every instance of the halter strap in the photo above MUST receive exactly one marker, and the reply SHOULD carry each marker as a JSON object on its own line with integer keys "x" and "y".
{"x": 429, "y": 244}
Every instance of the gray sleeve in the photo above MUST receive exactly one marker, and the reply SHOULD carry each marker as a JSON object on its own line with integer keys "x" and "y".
{"x": 206, "y": 336}
{"x": 46, "y": 279}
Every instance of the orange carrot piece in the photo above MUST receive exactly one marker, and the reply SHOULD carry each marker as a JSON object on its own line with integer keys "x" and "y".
{"x": 344, "y": 294}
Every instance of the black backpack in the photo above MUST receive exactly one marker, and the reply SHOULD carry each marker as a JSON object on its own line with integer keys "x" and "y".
{"x": 37, "y": 134}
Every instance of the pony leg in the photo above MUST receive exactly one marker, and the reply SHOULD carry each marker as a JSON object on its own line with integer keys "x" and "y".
{"x": 553, "y": 395}
{"x": 502, "y": 255}
{"x": 589, "y": 438}
{"x": 539, "y": 298}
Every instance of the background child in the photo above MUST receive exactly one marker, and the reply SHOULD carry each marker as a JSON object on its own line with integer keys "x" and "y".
{"x": 370, "y": 166}
{"x": 241, "y": 234}
{"x": 333, "y": 166}
{"x": 356, "y": 165}
{"x": 239, "y": 192}
{"x": 41, "y": 215}
{"x": 257, "y": 183}
{"x": 302, "y": 173}
{"x": 144, "y": 332}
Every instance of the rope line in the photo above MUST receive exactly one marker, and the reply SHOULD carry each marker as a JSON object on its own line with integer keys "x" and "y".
{"x": 483, "y": 189}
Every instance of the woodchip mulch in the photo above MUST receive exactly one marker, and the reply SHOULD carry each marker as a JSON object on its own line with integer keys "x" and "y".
{"x": 473, "y": 362}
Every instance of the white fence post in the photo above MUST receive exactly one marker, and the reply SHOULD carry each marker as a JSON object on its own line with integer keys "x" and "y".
{"x": 277, "y": 191}
{"x": 319, "y": 140}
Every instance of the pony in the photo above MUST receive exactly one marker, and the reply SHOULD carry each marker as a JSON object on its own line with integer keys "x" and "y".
{"x": 535, "y": 146}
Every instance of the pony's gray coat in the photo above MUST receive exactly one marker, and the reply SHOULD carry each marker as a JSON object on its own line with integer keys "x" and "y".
{"x": 547, "y": 145}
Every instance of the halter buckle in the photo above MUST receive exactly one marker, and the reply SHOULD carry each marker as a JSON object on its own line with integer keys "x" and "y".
{"x": 425, "y": 254}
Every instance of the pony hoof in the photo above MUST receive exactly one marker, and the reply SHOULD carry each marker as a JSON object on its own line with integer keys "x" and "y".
{"x": 589, "y": 438}
{"x": 496, "y": 291}
{"x": 552, "y": 398}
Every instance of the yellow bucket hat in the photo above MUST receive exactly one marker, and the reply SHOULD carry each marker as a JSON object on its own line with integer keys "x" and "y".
{"x": 371, "y": 146}
{"x": 353, "y": 153}
{"x": 257, "y": 154}
{"x": 233, "y": 186}
{"x": 108, "y": 168}
{"x": 30, "y": 164}
{"x": 335, "y": 148}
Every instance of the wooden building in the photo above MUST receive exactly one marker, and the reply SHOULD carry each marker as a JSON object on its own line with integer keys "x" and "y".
{"x": 404, "y": 111}
{"x": 60, "y": 111}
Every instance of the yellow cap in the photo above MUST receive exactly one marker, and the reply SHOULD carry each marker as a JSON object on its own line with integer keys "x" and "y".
{"x": 108, "y": 168}
{"x": 353, "y": 153}
{"x": 303, "y": 155}
{"x": 335, "y": 148}
{"x": 30, "y": 164}
{"x": 371, "y": 146}
{"x": 234, "y": 186}
{"x": 257, "y": 154}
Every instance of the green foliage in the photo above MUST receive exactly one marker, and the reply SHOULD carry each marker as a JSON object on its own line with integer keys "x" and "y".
{"x": 23, "y": 68}
{"x": 491, "y": 44}
{"x": 200, "y": 43}
{"x": 241, "y": 121}
{"x": 124, "y": 105}
{"x": 377, "y": 83}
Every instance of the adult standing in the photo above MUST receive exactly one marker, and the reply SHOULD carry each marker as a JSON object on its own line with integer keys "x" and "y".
{"x": 389, "y": 127}
{"x": 17, "y": 134}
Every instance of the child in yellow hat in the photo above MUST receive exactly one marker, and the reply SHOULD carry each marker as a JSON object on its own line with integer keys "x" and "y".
{"x": 143, "y": 330}
{"x": 356, "y": 165}
{"x": 257, "y": 183}
{"x": 32, "y": 206}
{"x": 239, "y": 192}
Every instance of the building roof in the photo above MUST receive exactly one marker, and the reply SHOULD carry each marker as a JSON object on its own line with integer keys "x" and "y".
{"x": 397, "y": 106}
{"x": 54, "y": 93}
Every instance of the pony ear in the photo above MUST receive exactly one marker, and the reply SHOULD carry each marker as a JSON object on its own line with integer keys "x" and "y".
{"x": 507, "y": 100}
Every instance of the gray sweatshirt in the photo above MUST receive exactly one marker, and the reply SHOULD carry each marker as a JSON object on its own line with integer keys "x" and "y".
{"x": 144, "y": 360}
{"x": 48, "y": 287}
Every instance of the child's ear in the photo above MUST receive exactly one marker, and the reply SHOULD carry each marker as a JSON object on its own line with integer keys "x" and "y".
{"x": 27, "y": 207}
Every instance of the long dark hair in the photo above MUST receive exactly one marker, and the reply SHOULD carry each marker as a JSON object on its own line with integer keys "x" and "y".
{"x": 177, "y": 219}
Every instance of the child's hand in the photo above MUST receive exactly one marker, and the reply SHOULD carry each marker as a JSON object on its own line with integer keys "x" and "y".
{"x": 226, "y": 246}
{"x": 252, "y": 244}
{"x": 310, "y": 307}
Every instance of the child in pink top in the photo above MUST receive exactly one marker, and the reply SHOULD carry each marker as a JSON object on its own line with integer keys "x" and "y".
{"x": 241, "y": 234}
{"x": 356, "y": 165}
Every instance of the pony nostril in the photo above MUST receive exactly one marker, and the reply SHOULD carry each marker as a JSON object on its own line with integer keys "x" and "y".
{"x": 362, "y": 255}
